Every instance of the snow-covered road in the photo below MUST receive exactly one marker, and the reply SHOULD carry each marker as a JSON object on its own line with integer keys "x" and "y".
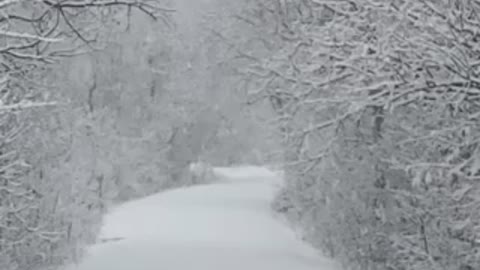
{"x": 223, "y": 226}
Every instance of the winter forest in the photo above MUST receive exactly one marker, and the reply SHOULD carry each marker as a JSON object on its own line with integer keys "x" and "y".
{"x": 370, "y": 108}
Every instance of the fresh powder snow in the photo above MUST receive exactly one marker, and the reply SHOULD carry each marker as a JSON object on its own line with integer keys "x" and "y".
{"x": 227, "y": 225}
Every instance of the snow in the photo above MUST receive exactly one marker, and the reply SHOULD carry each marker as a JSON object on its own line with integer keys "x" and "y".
{"x": 227, "y": 225}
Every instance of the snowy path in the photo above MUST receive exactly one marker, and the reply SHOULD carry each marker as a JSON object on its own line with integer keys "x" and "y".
{"x": 222, "y": 226}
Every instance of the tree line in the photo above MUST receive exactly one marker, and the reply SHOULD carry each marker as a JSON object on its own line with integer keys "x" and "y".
{"x": 102, "y": 102}
{"x": 378, "y": 104}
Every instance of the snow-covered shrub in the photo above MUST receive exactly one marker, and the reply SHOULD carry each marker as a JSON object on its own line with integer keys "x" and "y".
{"x": 201, "y": 172}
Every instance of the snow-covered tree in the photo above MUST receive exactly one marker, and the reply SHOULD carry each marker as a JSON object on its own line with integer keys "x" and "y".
{"x": 49, "y": 200}
{"x": 377, "y": 102}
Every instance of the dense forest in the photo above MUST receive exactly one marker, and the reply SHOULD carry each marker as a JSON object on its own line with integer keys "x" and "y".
{"x": 372, "y": 108}
{"x": 102, "y": 102}
{"x": 378, "y": 104}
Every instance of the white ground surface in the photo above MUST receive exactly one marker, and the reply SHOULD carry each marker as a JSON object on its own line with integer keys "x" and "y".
{"x": 223, "y": 226}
